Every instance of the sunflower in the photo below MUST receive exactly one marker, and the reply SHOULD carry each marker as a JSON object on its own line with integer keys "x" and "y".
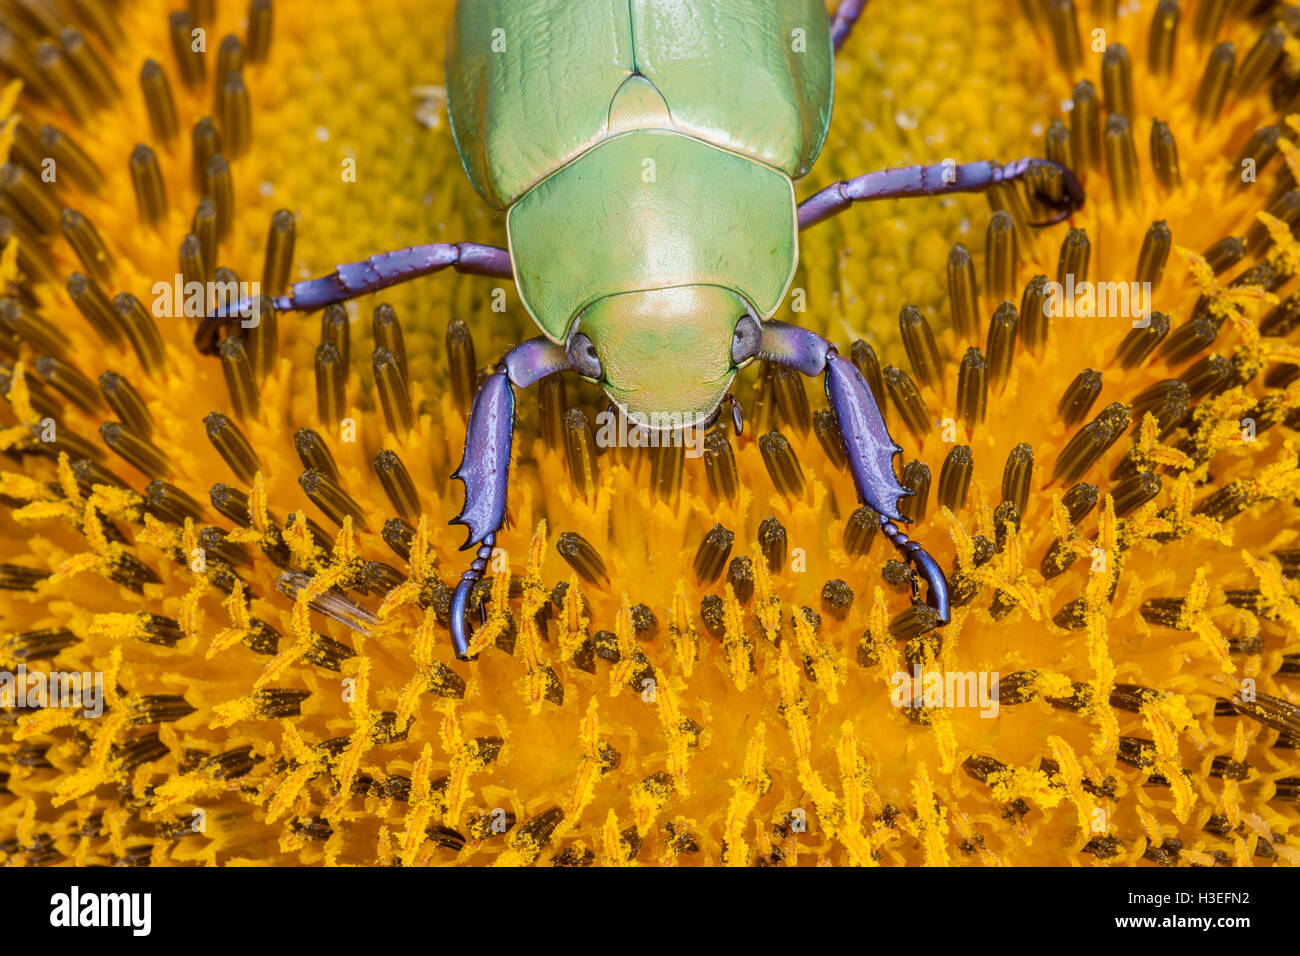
{"x": 683, "y": 661}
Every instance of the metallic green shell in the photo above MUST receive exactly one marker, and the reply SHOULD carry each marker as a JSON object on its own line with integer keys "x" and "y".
{"x": 530, "y": 81}
{"x": 652, "y": 209}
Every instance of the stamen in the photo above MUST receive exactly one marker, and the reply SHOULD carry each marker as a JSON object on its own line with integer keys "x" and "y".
{"x": 180, "y": 26}
{"x": 278, "y": 262}
{"x": 963, "y": 297}
{"x": 972, "y": 389}
{"x": 1057, "y": 147}
{"x": 1002, "y": 344}
{"x": 158, "y": 101}
{"x": 1163, "y": 39}
{"x": 240, "y": 381}
{"x": 1164, "y": 157}
{"x": 837, "y": 599}
{"x": 828, "y": 433}
{"x": 1209, "y": 376}
{"x": 955, "y": 476}
{"x": 918, "y": 339}
{"x": 1033, "y": 314}
{"x": 772, "y": 542}
{"x": 146, "y": 178}
{"x": 908, "y": 401}
{"x": 32, "y": 329}
{"x": 69, "y": 382}
{"x": 259, "y": 30}
{"x": 578, "y": 552}
{"x": 1117, "y": 81}
{"x": 335, "y": 329}
{"x": 387, "y": 333}
{"x": 863, "y": 357}
{"x": 328, "y": 495}
{"x": 792, "y": 398}
{"x": 1209, "y": 17}
{"x": 1188, "y": 339}
{"x": 1080, "y": 500}
{"x": 205, "y": 143}
{"x": 126, "y": 403}
{"x": 1016, "y": 476}
{"x": 667, "y": 462}
{"x": 463, "y": 372}
{"x": 168, "y": 503}
{"x": 740, "y": 575}
{"x": 193, "y": 268}
{"x": 782, "y": 464}
{"x": 33, "y": 258}
{"x": 219, "y": 187}
{"x": 87, "y": 244}
{"x": 26, "y": 193}
{"x": 1085, "y": 127}
{"x": 1073, "y": 260}
{"x": 1155, "y": 253}
{"x": 331, "y": 376}
{"x": 1285, "y": 207}
{"x": 397, "y": 485}
{"x": 1133, "y": 492}
{"x": 1260, "y": 62}
{"x": 712, "y": 554}
{"x": 263, "y": 339}
{"x": 87, "y": 65}
{"x": 235, "y": 114}
{"x": 1225, "y": 253}
{"x": 1082, "y": 451}
{"x": 136, "y": 451}
{"x": 70, "y": 159}
{"x": 1283, "y": 319}
{"x": 916, "y": 478}
{"x": 1215, "y": 81}
{"x": 398, "y": 535}
{"x": 1121, "y": 162}
{"x": 1062, "y": 20}
{"x": 141, "y": 331}
{"x": 580, "y": 451}
{"x": 232, "y": 446}
{"x": 393, "y": 394}
{"x": 60, "y": 76}
{"x": 552, "y": 400}
{"x": 1080, "y": 394}
{"x": 720, "y": 466}
{"x": 204, "y": 228}
{"x": 1166, "y": 400}
{"x": 860, "y": 530}
{"x": 1000, "y": 257}
{"x": 230, "y": 59}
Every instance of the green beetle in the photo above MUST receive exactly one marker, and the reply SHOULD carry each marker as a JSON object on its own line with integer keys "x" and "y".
{"x": 645, "y": 153}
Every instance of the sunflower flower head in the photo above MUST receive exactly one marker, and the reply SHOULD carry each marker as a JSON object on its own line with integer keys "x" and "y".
{"x": 682, "y": 659}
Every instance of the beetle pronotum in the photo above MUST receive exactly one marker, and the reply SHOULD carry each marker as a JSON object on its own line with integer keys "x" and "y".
{"x": 644, "y": 152}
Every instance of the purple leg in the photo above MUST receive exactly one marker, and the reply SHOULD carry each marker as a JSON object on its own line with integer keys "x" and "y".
{"x": 937, "y": 179}
{"x": 369, "y": 275}
{"x": 867, "y": 443}
{"x": 846, "y": 16}
{"x": 486, "y": 465}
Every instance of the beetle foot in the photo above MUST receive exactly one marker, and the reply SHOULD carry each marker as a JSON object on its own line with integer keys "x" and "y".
{"x": 460, "y": 600}
{"x": 926, "y": 566}
{"x": 1067, "y": 204}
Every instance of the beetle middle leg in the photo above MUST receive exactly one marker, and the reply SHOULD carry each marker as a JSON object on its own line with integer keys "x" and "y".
{"x": 938, "y": 179}
{"x": 368, "y": 275}
{"x": 867, "y": 443}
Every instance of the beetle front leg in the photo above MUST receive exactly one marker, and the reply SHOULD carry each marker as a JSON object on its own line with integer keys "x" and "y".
{"x": 867, "y": 443}
{"x": 938, "y": 179}
{"x": 485, "y": 467}
{"x": 368, "y": 275}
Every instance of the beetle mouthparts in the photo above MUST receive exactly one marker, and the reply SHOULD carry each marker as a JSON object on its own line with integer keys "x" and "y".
{"x": 736, "y": 418}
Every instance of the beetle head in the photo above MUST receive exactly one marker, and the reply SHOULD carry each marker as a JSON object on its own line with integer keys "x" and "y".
{"x": 667, "y": 356}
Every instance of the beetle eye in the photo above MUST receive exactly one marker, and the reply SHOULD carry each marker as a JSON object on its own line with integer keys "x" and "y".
{"x": 583, "y": 358}
{"x": 746, "y": 340}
